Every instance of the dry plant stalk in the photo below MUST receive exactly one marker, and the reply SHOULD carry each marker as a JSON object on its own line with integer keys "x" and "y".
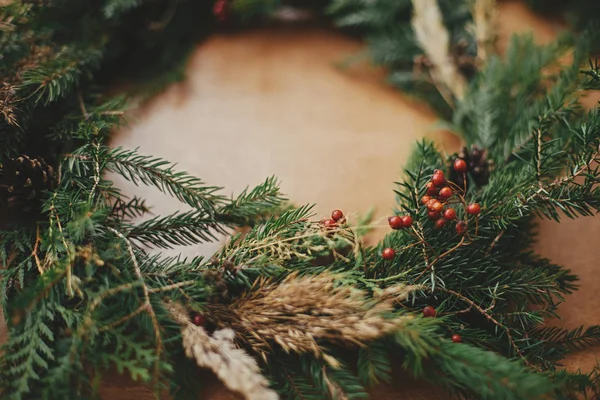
{"x": 234, "y": 367}
{"x": 434, "y": 39}
{"x": 484, "y": 21}
{"x": 301, "y": 312}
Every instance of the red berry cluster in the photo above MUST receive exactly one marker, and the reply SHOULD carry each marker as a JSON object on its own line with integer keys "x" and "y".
{"x": 438, "y": 196}
{"x": 400, "y": 222}
{"x": 337, "y": 216}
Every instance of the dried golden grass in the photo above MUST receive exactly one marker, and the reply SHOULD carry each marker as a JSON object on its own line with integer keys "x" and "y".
{"x": 217, "y": 352}
{"x": 300, "y": 313}
{"x": 434, "y": 39}
{"x": 484, "y": 23}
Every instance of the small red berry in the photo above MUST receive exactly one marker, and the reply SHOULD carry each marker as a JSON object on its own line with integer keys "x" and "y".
{"x": 474, "y": 208}
{"x": 449, "y": 214}
{"x": 198, "y": 320}
{"x": 431, "y": 189}
{"x": 445, "y": 193}
{"x": 430, "y": 203}
{"x": 433, "y": 215}
{"x": 456, "y": 338}
{"x": 407, "y": 221}
{"x": 425, "y": 199}
{"x": 395, "y": 222}
{"x": 329, "y": 223}
{"x": 336, "y": 215}
{"x": 220, "y": 10}
{"x": 439, "y": 224}
{"x": 460, "y": 165}
{"x": 461, "y": 227}
{"x": 388, "y": 253}
{"x": 428, "y": 312}
{"x": 438, "y": 179}
{"x": 436, "y": 206}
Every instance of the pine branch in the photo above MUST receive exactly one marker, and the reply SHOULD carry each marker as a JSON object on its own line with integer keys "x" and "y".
{"x": 159, "y": 173}
{"x": 55, "y": 78}
{"x": 178, "y": 229}
{"x": 374, "y": 365}
{"x": 248, "y": 206}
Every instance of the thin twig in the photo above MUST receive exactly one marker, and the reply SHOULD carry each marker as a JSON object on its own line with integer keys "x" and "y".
{"x": 494, "y": 242}
{"x": 492, "y": 320}
{"x": 96, "y": 171}
{"x": 146, "y": 291}
{"x": 124, "y": 319}
{"x": 171, "y": 287}
{"x": 34, "y": 253}
{"x": 82, "y": 105}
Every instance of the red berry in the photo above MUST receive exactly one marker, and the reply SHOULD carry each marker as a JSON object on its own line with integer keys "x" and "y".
{"x": 438, "y": 179}
{"x": 460, "y": 165}
{"x": 329, "y": 223}
{"x": 435, "y": 205}
{"x": 395, "y": 222}
{"x": 428, "y": 312}
{"x": 445, "y": 193}
{"x": 456, "y": 338}
{"x": 336, "y": 215}
{"x": 388, "y": 253}
{"x": 439, "y": 224}
{"x": 474, "y": 208}
{"x": 461, "y": 227}
{"x": 449, "y": 214}
{"x": 438, "y": 171}
{"x": 407, "y": 221}
{"x": 198, "y": 320}
{"x": 425, "y": 199}
{"x": 431, "y": 189}
{"x": 433, "y": 215}
{"x": 220, "y": 10}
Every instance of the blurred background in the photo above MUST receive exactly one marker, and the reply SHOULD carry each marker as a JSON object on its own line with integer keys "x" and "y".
{"x": 275, "y": 101}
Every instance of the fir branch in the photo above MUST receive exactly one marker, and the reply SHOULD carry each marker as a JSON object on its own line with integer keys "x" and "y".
{"x": 134, "y": 208}
{"x": 181, "y": 229}
{"x": 576, "y": 339}
{"x": 147, "y": 303}
{"x": 55, "y": 78}
{"x": 159, "y": 173}
{"x": 248, "y": 206}
{"x": 374, "y": 365}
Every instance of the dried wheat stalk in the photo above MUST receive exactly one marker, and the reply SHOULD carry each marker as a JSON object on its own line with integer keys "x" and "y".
{"x": 434, "y": 39}
{"x": 236, "y": 369}
{"x": 484, "y": 17}
{"x": 300, "y": 313}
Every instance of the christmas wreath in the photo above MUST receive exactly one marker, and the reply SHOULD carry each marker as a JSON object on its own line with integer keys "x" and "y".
{"x": 290, "y": 307}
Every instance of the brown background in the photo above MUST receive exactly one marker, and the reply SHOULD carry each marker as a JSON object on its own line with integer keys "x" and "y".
{"x": 272, "y": 102}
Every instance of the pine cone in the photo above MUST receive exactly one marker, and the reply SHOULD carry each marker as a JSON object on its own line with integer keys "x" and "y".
{"x": 22, "y": 179}
{"x": 479, "y": 167}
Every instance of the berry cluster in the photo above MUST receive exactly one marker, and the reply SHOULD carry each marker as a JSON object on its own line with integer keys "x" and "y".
{"x": 439, "y": 196}
{"x": 337, "y": 217}
{"x": 396, "y": 222}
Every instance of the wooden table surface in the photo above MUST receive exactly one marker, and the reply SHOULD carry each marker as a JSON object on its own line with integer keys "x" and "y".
{"x": 272, "y": 102}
